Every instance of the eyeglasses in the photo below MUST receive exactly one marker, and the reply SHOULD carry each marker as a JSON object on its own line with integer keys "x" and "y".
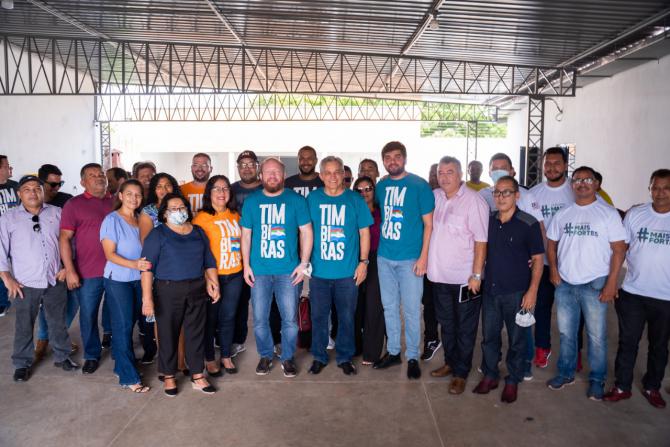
{"x": 176, "y": 210}
{"x": 505, "y": 193}
{"x": 197, "y": 166}
{"x": 55, "y": 184}
{"x": 253, "y": 164}
{"x": 586, "y": 181}
{"x": 365, "y": 189}
{"x": 220, "y": 189}
{"x": 36, "y": 228}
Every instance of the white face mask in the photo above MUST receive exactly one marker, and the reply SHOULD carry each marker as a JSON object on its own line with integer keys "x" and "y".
{"x": 177, "y": 217}
{"x": 498, "y": 174}
{"x": 525, "y": 318}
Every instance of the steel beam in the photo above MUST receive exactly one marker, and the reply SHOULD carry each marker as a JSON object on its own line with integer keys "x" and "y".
{"x": 114, "y": 67}
{"x": 535, "y": 141}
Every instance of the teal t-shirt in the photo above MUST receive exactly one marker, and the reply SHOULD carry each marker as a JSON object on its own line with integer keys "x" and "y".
{"x": 274, "y": 223}
{"x": 336, "y": 222}
{"x": 403, "y": 203}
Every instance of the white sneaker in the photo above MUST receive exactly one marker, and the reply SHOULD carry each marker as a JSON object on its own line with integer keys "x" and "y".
{"x": 236, "y": 349}
{"x": 331, "y": 344}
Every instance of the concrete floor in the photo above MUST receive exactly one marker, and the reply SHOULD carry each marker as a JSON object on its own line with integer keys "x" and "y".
{"x": 374, "y": 408}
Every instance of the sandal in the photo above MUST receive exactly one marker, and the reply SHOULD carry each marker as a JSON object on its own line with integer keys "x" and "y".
{"x": 217, "y": 373}
{"x": 171, "y": 392}
{"x": 138, "y": 388}
{"x": 207, "y": 389}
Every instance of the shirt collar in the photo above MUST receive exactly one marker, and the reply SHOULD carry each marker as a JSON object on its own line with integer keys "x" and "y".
{"x": 516, "y": 211}
{"x": 91, "y": 196}
{"x": 459, "y": 193}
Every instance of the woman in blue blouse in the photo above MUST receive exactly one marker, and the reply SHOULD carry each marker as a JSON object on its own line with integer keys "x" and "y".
{"x": 120, "y": 237}
{"x": 185, "y": 272}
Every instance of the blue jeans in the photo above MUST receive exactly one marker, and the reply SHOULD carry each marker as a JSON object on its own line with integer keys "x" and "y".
{"x": 4, "y": 296}
{"x": 70, "y": 313}
{"x": 124, "y": 300}
{"x": 287, "y": 296}
{"x": 221, "y": 316}
{"x": 572, "y": 300}
{"x": 399, "y": 285}
{"x": 496, "y": 311}
{"x": 323, "y": 294}
{"x": 90, "y": 296}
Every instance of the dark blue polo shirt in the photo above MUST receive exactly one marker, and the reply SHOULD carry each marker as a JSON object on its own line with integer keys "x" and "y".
{"x": 510, "y": 247}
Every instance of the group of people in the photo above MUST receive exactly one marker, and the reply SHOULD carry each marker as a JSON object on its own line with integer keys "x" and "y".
{"x": 183, "y": 263}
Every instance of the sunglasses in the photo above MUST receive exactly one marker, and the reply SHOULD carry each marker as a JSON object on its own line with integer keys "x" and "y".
{"x": 36, "y": 228}
{"x": 55, "y": 184}
{"x": 365, "y": 189}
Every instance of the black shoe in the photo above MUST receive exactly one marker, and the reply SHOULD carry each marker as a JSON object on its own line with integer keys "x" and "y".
{"x": 413, "y": 370}
{"x": 218, "y": 373}
{"x": 316, "y": 367}
{"x": 430, "y": 347}
{"x": 387, "y": 361}
{"x": 106, "y": 341}
{"x": 67, "y": 365}
{"x": 232, "y": 370}
{"x": 21, "y": 374}
{"x": 289, "y": 368}
{"x": 90, "y": 366}
{"x": 209, "y": 389}
{"x": 264, "y": 367}
{"x": 348, "y": 368}
{"x": 147, "y": 358}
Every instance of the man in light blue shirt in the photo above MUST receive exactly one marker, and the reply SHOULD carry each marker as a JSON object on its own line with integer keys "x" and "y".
{"x": 271, "y": 221}
{"x": 340, "y": 218}
{"x": 406, "y": 202}
{"x": 31, "y": 270}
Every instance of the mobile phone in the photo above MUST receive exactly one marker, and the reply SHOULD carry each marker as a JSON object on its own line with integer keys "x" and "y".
{"x": 465, "y": 294}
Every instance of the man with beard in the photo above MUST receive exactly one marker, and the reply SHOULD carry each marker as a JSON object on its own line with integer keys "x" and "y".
{"x": 551, "y": 196}
{"x": 307, "y": 180}
{"x": 406, "y": 202}
{"x": 271, "y": 221}
{"x": 247, "y": 168}
{"x": 201, "y": 168}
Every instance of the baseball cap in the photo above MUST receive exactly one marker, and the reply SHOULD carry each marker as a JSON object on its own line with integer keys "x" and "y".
{"x": 29, "y": 178}
{"x": 247, "y": 154}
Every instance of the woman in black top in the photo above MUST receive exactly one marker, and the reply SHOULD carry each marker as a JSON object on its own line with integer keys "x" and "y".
{"x": 186, "y": 274}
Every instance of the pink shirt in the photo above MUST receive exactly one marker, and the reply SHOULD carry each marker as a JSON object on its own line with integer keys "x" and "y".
{"x": 84, "y": 214}
{"x": 458, "y": 223}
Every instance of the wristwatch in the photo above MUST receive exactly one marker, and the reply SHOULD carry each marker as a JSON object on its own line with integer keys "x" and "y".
{"x": 476, "y": 276}
{"x": 364, "y": 261}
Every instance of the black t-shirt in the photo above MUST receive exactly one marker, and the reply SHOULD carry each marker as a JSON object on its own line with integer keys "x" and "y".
{"x": 9, "y": 197}
{"x": 302, "y": 187}
{"x": 241, "y": 193}
{"x": 59, "y": 199}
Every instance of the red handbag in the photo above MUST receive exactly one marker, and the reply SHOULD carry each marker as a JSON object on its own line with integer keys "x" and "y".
{"x": 304, "y": 324}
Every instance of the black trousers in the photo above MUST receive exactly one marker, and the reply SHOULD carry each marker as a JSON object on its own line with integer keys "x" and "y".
{"x": 370, "y": 328}
{"x": 242, "y": 316}
{"x": 634, "y": 312}
{"x": 180, "y": 303}
{"x": 429, "y": 318}
{"x": 459, "y": 323}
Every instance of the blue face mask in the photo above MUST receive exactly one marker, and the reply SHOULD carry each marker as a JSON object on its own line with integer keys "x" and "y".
{"x": 177, "y": 217}
{"x": 498, "y": 174}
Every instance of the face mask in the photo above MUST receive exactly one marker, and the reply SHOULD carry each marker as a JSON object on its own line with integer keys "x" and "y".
{"x": 525, "y": 319}
{"x": 177, "y": 217}
{"x": 498, "y": 174}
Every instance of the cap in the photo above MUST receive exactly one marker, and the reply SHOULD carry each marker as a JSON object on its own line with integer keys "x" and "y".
{"x": 30, "y": 178}
{"x": 247, "y": 154}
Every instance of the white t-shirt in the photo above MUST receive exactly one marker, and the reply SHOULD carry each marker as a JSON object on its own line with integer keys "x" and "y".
{"x": 584, "y": 234}
{"x": 525, "y": 203}
{"x": 648, "y": 256}
{"x": 551, "y": 200}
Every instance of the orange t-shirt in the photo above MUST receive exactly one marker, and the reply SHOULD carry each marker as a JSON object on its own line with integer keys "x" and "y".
{"x": 194, "y": 195}
{"x": 225, "y": 237}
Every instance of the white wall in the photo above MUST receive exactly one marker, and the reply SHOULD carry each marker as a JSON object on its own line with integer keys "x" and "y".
{"x": 619, "y": 126}
{"x": 48, "y": 129}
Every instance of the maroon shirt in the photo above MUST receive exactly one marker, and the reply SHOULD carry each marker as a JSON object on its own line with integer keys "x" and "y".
{"x": 84, "y": 214}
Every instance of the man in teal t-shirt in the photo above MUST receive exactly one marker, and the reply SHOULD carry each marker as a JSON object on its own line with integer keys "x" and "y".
{"x": 406, "y": 202}
{"x": 272, "y": 219}
{"x": 339, "y": 259}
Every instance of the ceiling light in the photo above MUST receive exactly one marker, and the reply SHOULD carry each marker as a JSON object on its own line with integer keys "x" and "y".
{"x": 7, "y": 4}
{"x": 434, "y": 24}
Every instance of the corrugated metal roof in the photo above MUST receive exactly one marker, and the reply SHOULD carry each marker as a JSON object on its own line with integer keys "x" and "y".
{"x": 535, "y": 32}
